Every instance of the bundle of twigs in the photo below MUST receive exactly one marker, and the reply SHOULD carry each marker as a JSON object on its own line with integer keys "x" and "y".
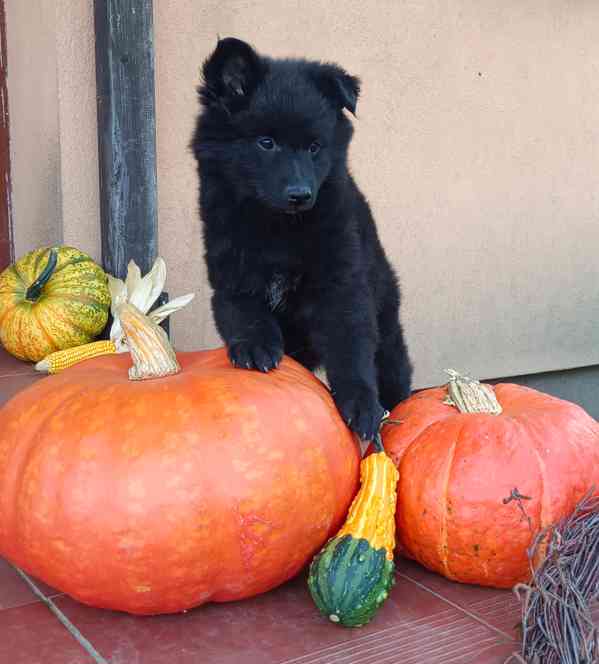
{"x": 557, "y": 627}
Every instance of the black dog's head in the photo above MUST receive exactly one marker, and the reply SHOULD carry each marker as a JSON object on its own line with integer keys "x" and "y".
{"x": 276, "y": 128}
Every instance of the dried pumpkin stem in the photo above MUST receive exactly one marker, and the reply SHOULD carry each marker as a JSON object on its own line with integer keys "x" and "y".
{"x": 35, "y": 290}
{"x": 152, "y": 354}
{"x": 469, "y": 395}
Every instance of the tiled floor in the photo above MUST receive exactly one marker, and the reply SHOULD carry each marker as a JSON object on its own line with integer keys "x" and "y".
{"x": 427, "y": 620}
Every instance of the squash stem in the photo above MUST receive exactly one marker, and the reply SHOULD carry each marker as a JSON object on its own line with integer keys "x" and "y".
{"x": 35, "y": 290}
{"x": 378, "y": 443}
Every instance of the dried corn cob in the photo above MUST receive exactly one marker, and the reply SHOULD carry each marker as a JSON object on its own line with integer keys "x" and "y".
{"x": 62, "y": 359}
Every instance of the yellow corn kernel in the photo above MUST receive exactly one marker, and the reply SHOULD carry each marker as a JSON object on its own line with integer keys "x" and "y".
{"x": 62, "y": 359}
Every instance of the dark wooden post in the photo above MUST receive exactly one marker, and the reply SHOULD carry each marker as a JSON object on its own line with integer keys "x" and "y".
{"x": 126, "y": 133}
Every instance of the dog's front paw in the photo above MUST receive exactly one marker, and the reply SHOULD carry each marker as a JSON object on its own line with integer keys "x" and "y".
{"x": 360, "y": 408}
{"x": 261, "y": 356}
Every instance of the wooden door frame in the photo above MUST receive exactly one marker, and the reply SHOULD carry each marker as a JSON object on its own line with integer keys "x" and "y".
{"x": 6, "y": 237}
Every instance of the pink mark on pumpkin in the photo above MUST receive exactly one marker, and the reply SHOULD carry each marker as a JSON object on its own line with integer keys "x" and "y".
{"x": 254, "y": 532}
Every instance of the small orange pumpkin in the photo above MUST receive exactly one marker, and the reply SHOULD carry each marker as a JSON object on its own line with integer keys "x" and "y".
{"x": 476, "y": 487}
{"x": 154, "y": 496}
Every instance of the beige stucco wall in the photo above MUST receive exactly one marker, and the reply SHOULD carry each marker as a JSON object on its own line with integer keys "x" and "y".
{"x": 477, "y": 143}
{"x": 52, "y": 106}
{"x": 34, "y": 135}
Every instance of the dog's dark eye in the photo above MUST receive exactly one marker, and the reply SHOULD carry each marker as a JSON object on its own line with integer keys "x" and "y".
{"x": 266, "y": 143}
{"x": 315, "y": 147}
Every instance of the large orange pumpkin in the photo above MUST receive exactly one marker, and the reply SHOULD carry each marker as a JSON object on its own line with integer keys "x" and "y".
{"x": 213, "y": 484}
{"x": 475, "y": 488}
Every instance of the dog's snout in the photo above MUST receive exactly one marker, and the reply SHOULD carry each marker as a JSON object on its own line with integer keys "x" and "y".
{"x": 299, "y": 195}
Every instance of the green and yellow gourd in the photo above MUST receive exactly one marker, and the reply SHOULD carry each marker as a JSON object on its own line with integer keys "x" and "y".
{"x": 51, "y": 299}
{"x": 351, "y": 576}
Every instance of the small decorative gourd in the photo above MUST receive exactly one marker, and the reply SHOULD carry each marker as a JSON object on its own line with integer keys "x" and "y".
{"x": 351, "y": 576}
{"x": 51, "y": 299}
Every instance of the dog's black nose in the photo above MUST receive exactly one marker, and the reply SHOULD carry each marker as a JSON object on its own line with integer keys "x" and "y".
{"x": 298, "y": 195}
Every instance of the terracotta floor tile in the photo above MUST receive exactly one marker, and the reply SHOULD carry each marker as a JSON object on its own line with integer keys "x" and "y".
{"x": 498, "y": 608}
{"x": 10, "y": 385}
{"x": 498, "y": 654}
{"x": 13, "y": 590}
{"x": 32, "y": 635}
{"x": 283, "y": 626}
{"x": 10, "y": 366}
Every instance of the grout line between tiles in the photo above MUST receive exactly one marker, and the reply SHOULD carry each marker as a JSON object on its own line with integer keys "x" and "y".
{"x": 75, "y": 633}
{"x": 474, "y": 616}
{"x": 28, "y": 602}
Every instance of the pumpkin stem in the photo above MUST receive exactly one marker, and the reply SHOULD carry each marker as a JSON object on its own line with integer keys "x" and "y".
{"x": 152, "y": 354}
{"x": 35, "y": 290}
{"x": 469, "y": 395}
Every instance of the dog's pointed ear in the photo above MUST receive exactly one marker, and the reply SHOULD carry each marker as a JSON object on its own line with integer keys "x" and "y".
{"x": 341, "y": 88}
{"x": 231, "y": 73}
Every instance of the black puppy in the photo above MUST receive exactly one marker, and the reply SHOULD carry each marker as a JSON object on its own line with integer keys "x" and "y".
{"x": 293, "y": 254}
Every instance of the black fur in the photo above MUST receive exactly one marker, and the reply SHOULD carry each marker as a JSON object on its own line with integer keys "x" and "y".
{"x": 292, "y": 251}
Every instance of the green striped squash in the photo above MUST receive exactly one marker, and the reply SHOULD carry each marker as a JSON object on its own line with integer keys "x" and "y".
{"x": 352, "y": 575}
{"x": 51, "y": 299}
